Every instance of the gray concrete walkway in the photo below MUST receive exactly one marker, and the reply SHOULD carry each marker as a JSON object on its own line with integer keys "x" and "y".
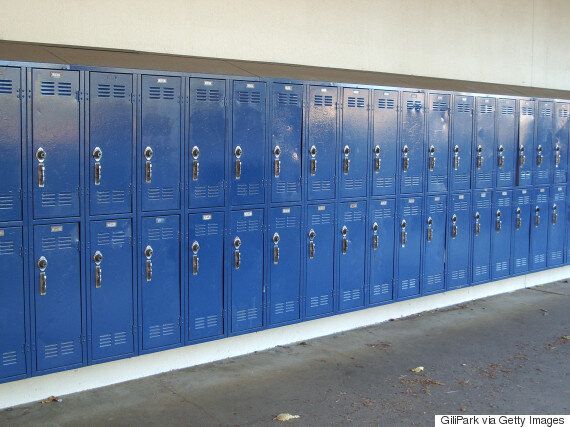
{"x": 504, "y": 354}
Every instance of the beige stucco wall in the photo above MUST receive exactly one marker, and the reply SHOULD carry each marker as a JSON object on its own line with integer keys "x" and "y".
{"x": 524, "y": 42}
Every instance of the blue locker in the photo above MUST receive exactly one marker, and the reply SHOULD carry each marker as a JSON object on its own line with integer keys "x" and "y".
{"x": 539, "y": 215}
{"x": 55, "y": 143}
{"x": 438, "y": 141}
{"x": 560, "y": 155}
{"x": 286, "y": 136}
{"x": 248, "y": 143}
{"x": 567, "y": 244}
{"x": 461, "y": 137}
{"x": 385, "y": 142}
{"x": 10, "y": 145}
{"x": 353, "y": 156}
{"x": 161, "y": 142}
{"x": 319, "y": 279}
{"x": 207, "y": 142}
{"x": 525, "y": 157}
{"x": 322, "y": 142}
{"x": 457, "y": 240}
{"x": 543, "y": 158}
{"x": 160, "y": 282}
{"x": 111, "y": 320}
{"x": 506, "y": 146}
{"x": 351, "y": 254}
{"x": 481, "y": 228}
{"x": 433, "y": 260}
{"x": 521, "y": 230}
{"x": 245, "y": 250}
{"x": 12, "y": 297}
{"x": 556, "y": 226}
{"x": 483, "y": 147}
{"x": 409, "y": 240}
{"x": 57, "y": 296}
{"x": 110, "y": 143}
{"x": 501, "y": 234}
{"x": 382, "y": 228}
{"x": 284, "y": 264}
{"x": 206, "y": 277}
{"x": 412, "y": 130}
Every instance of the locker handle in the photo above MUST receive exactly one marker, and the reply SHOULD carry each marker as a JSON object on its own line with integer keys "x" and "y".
{"x": 148, "y": 153}
{"x": 554, "y": 214}
{"x": 431, "y": 165}
{"x": 237, "y": 259}
{"x": 195, "y": 264}
{"x": 195, "y": 163}
{"x": 537, "y": 216}
{"x": 276, "y": 239}
{"x": 539, "y": 155}
{"x": 375, "y": 237}
{"x": 148, "y": 270}
{"x": 429, "y": 229}
{"x": 276, "y": 161}
{"x": 97, "y": 155}
{"x": 501, "y": 156}
{"x": 238, "y": 153}
{"x": 346, "y": 160}
{"x": 522, "y": 156}
{"x": 97, "y": 259}
{"x": 377, "y": 159}
{"x": 43, "y": 283}
{"x": 405, "y": 158}
{"x": 454, "y": 229}
{"x": 518, "y": 220}
{"x": 479, "y": 162}
{"x": 344, "y": 233}
{"x": 403, "y": 233}
{"x": 557, "y": 155}
{"x": 313, "y": 153}
{"x": 477, "y": 223}
{"x": 498, "y": 221}
{"x": 312, "y": 236}
{"x": 41, "y": 175}
{"x": 456, "y": 157}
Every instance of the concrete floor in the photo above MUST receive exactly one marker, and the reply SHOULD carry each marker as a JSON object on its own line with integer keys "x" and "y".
{"x": 505, "y": 354}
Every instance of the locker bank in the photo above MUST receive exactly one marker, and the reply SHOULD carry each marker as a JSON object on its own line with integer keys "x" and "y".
{"x": 151, "y": 202}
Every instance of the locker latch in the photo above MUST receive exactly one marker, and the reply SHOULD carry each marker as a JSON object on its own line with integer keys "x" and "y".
{"x": 522, "y": 156}
{"x": 498, "y": 221}
{"x": 237, "y": 253}
{"x": 276, "y": 239}
{"x": 41, "y": 156}
{"x": 536, "y": 216}
{"x": 377, "y": 159}
{"x": 97, "y": 156}
{"x": 42, "y": 265}
{"x": 195, "y": 163}
{"x": 375, "y": 237}
{"x": 195, "y": 259}
{"x": 453, "y": 226}
{"x": 97, "y": 259}
{"x": 312, "y": 236}
{"x": 238, "y": 153}
{"x": 346, "y": 160}
{"x": 429, "y": 229}
{"x": 148, "y": 270}
{"x": 431, "y": 158}
{"x": 539, "y": 155}
{"x": 518, "y": 219}
{"x": 479, "y": 160}
{"x": 313, "y": 153}
{"x": 148, "y": 153}
{"x": 501, "y": 156}
{"x": 557, "y": 155}
{"x": 277, "y": 161}
{"x": 456, "y": 157}
{"x": 403, "y": 233}
{"x": 405, "y": 158}
{"x": 554, "y": 214}
{"x": 344, "y": 233}
{"x": 477, "y": 223}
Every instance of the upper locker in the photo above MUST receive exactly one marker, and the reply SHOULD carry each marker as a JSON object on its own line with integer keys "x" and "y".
{"x": 462, "y": 135}
{"x": 161, "y": 142}
{"x": 248, "y": 142}
{"x": 560, "y": 166}
{"x": 438, "y": 141}
{"x": 322, "y": 142}
{"x": 110, "y": 143}
{"x": 506, "y": 143}
{"x": 412, "y": 130}
{"x": 353, "y": 157}
{"x": 10, "y": 144}
{"x": 286, "y": 136}
{"x": 206, "y": 142}
{"x": 526, "y": 142}
{"x": 56, "y": 143}
{"x": 385, "y": 142}
{"x": 544, "y": 143}
{"x": 483, "y": 165}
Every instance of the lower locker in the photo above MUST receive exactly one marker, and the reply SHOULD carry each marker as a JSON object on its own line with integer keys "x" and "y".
{"x": 481, "y": 229}
{"x": 433, "y": 268}
{"x": 567, "y": 255}
{"x": 521, "y": 230}
{"x": 245, "y": 250}
{"x": 539, "y": 228}
{"x": 319, "y": 259}
{"x": 457, "y": 240}
{"x": 13, "y": 362}
{"x": 409, "y": 233}
{"x": 206, "y": 275}
{"x": 381, "y": 229}
{"x": 284, "y": 265}
{"x": 111, "y": 316}
{"x": 556, "y": 226}
{"x": 351, "y": 254}
{"x": 501, "y": 234}
{"x": 57, "y": 297}
{"x": 160, "y": 282}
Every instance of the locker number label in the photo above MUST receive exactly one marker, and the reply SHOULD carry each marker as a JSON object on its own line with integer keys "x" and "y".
{"x": 383, "y": 203}
{"x": 160, "y": 220}
{"x": 161, "y": 80}
{"x": 1, "y": 233}
{"x": 111, "y": 224}
{"x": 286, "y": 210}
{"x": 56, "y": 228}
{"x": 248, "y": 213}
{"x": 207, "y": 217}
{"x": 322, "y": 208}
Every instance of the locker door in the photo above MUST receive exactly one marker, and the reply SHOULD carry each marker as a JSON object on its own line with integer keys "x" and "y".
{"x": 434, "y": 244}
{"x": 525, "y": 157}
{"x": 206, "y": 277}
{"x": 55, "y": 143}
{"x": 409, "y": 235}
{"x": 160, "y": 143}
{"x": 245, "y": 250}
{"x": 111, "y": 288}
{"x": 501, "y": 234}
{"x": 12, "y": 306}
{"x": 381, "y": 228}
{"x": 556, "y": 226}
{"x": 483, "y": 156}
{"x": 160, "y": 288}
{"x": 319, "y": 241}
{"x": 567, "y": 247}
{"x": 57, "y": 296}
{"x": 462, "y": 135}
{"x": 481, "y": 229}
{"x": 286, "y": 136}
{"x": 521, "y": 230}
{"x": 412, "y": 142}
{"x": 438, "y": 141}
{"x": 10, "y": 145}
{"x": 505, "y": 148}
{"x": 321, "y": 144}
{"x": 207, "y": 142}
{"x": 539, "y": 214}
{"x": 110, "y": 143}
{"x": 560, "y": 148}
{"x": 351, "y": 254}
{"x": 385, "y": 142}
{"x": 248, "y": 142}
{"x": 353, "y": 156}
{"x": 544, "y": 143}
{"x": 457, "y": 240}
{"x": 284, "y": 264}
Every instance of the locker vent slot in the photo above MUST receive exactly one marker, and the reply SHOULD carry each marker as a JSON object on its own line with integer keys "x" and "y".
{"x": 385, "y": 103}
{"x": 541, "y": 198}
{"x": 521, "y": 262}
{"x": 356, "y": 102}
{"x": 244, "y": 225}
{"x": 382, "y": 214}
{"x": 5, "y": 86}
{"x": 352, "y": 216}
{"x": 289, "y": 98}
{"x": 324, "y": 218}
{"x": 164, "y": 193}
{"x": 286, "y": 222}
{"x": 47, "y": 88}
{"x": 412, "y": 105}
{"x": 109, "y": 340}
{"x": 527, "y": 111}
{"x": 483, "y": 204}
{"x": 351, "y": 295}
{"x": 248, "y": 189}
{"x": 504, "y": 202}
{"x": 321, "y": 185}
{"x": 523, "y": 200}
{"x": 9, "y": 358}
{"x": 459, "y": 274}
{"x": 6, "y": 202}
{"x": 286, "y": 187}
{"x": 501, "y": 266}
{"x": 436, "y": 208}
{"x": 463, "y": 107}
{"x": 460, "y": 206}
{"x": 559, "y": 197}
{"x": 481, "y": 270}
{"x": 556, "y": 255}
{"x": 507, "y": 110}
{"x": 7, "y": 247}
{"x": 387, "y": 182}
{"x": 212, "y": 95}
{"x": 119, "y": 91}
{"x": 411, "y": 181}
{"x": 319, "y": 301}
{"x": 211, "y": 229}
{"x": 485, "y": 109}
{"x": 163, "y": 330}
{"x": 206, "y": 322}
{"x": 207, "y": 191}
{"x": 50, "y": 200}
{"x": 115, "y": 196}
{"x": 284, "y": 307}
{"x": 163, "y": 233}
{"x": 354, "y": 184}
{"x": 563, "y": 112}
{"x": 161, "y": 92}
{"x": 117, "y": 238}
{"x": 57, "y": 243}
{"x": 435, "y": 279}
{"x": 323, "y": 101}
{"x": 439, "y": 105}
{"x": 539, "y": 258}
{"x": 246, "y": 314}
{"x": 64, "y": 88}
{"x": 546, "y": 112}
{"x": 104, "y": 91}
{"x": 408, "y": 284}
{"x": 381, "y": 289}
{"x": 61, "y": 349}
{"x": 245, "y": 97}
{"x": 411, "y": 210}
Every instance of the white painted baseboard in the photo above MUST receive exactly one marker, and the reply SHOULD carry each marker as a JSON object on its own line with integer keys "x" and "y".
{"x": 61, "y": 383}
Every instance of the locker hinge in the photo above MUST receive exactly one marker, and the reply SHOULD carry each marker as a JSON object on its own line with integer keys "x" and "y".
{"x": 25, "y": 348}
{"x": 133, "y": 98}
{"x": 20, "y": 94}
{"x": 20, "y": 194}
{"x": 179, "y": 236}
{"x": 79, "y": 95}
{"x": 21, "y": 251}
{"x": 83, "y": 338}
{"x": 134, "y": 329}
